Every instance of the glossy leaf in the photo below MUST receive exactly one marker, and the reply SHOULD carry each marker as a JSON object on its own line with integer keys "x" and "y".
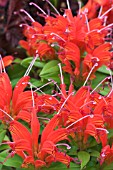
{"x": 25, "y": 62}
{"x": 84, "y": 157}
{"x": 50, "y": 69}
{"x": 104, "y": 70}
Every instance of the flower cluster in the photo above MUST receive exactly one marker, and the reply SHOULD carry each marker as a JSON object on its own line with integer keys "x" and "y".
{"x": 64, "y": 125}
{"x": 80, "y": 45}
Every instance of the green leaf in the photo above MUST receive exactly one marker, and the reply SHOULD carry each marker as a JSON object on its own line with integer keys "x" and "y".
{"x": 17, "y": 71}
{"x": 104, "y": 70}
{"x": 95, "y": 153}
{"x": 15, "y": 161}
{"x": 17, "y": 60}
{"x": 84, "y": 157}
{"x": 25, "y": 62}
{"x": 51, "y": 68}
{"x": 2, "y": 135}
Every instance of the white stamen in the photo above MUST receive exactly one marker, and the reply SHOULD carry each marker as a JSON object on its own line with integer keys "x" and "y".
{"x": 96, "y": 64}
{"x": 55, "y": 83}
{"x": 105, "y": 27}
{"x": 32, "y": 96}
{"x": 43, "y": 86}
{"x": 53, "y": 6}
{"x": 100, "y": 84}
{"x": 44, "y": 118}
{"x": 86, "y": 10}
{"x": 65, "y": 102}
{"x": 31, "y": 65}
{"x": 106, "y": 12}
{"x": 105, "y": 20}
{"x": 68, "y": 5}
{"x": 80, "y": 4}
{"x": 6, "y": 114}
{"x": 63, "y": 144}
{"x": 91, "y": 116}
{"x": 21, "y": 25}
{"x": 32, "y": 3}
{"x": 61, "y": 75}
{"x": 34, "y": 87}
{"x": 93, "y": 102}
{"x": 22, "y": 10}
{"x": 100, "y": 11}
{"x": 0, "y": 63}
{"x": 103, "y": 130}
{"x": 57, "y": 36}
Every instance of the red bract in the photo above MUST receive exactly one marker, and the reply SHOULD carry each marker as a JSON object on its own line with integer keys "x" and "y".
{"x": 106, "y": 155}
{"x": 43, "y": 153}
{"x": 13, "y": 102}
{"x": 99, "y": 56}
{"x": 73, "y": 40}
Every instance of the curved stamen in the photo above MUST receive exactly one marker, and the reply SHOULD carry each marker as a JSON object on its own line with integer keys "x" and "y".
{"x": 105, "y": 27}
{"x": 52, "y": 6}
{"x": 32, "y": 3}
{"x": 21, "y": 25}
{"x": 93, "y": 102}
{"x": 103, "y": 130}
{"x": 106, "y": 12}
{"x": 22, "y": 10}
{"x": 65, "y": 102}
{"x": 96, "y": 64}
{"x": 57, "y": 36}
{"x": 91, "y": 116}
{"x": 100, "y": 84}
{"x": 31, "y": 65}
{"x": 29, "y": 83}
{"x": 63, "y": 144}
{"x": 44, "y": 118}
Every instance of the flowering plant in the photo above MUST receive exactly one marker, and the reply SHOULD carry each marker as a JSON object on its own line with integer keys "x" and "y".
{"x": 65, "y": 122}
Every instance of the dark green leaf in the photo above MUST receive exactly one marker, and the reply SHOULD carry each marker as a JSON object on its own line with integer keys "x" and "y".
{"x": 2, "y": 135}
{"x": 95, "y": 153}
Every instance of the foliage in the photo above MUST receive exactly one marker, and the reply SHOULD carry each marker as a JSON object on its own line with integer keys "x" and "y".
{"x": 57, "y": 98}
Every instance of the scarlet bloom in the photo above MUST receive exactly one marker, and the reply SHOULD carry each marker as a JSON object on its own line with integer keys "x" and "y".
{"x": 106, "y": 155}
{"x": 98, "y": 57}
{"x": 17, "y": 102}
{"x": 7, "y": 60}
{"x": 43, "y": 153}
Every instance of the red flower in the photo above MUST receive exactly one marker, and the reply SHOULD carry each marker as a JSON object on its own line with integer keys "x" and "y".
{"x": 99, "y": 56}
{"x": 14, "y": 102}
{"x": 26, "y": 145}
{"x": 106, "y": 155}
